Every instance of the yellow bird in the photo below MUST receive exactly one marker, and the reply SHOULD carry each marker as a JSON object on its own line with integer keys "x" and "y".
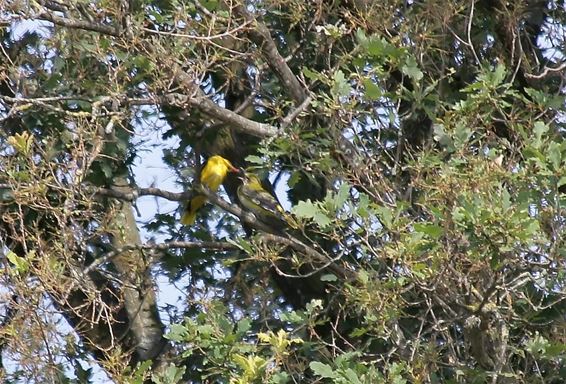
{"x": 260, "y": 202}
{"x": 212, "y": 176}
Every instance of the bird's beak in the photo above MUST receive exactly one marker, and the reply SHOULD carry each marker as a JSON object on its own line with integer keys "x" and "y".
{"x": 241, "y": 174}
{"x": 231, "y": 168}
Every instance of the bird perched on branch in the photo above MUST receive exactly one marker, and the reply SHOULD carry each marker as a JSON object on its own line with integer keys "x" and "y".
{"x": 212, "y": 176}
{"x": 256, "y": 199}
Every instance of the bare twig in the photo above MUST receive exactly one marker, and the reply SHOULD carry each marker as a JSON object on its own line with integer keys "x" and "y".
{"x": 547, "y": 71}
{"x": 299, "y": 246}
{"x": 469, "y": 33}
{"x": 295, "y": 112}
{"x": 230, "y": 33}
{"x": 218, "y": 245}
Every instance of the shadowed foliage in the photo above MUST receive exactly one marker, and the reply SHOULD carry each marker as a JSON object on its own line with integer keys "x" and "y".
{"x": 419, "y": 145}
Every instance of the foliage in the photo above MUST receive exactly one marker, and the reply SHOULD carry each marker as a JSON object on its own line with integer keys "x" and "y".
{"x": 420, "y": 146}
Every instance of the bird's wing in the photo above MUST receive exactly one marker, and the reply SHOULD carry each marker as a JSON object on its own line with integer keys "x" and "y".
{"x": 265, "y": 199}
{"x": 261, "y": 199}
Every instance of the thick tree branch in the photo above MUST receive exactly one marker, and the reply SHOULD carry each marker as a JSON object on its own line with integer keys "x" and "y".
{"x": 79, "y": 24}
{"x": 199, "y": 101}
{"x": 133, "y": 193}
{"x": 139, "y": 291}
{"x": 238, "y": 122}
{"x": 262, "y": 37}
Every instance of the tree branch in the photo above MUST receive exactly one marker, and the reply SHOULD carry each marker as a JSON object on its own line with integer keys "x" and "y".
{"x": 79, "y": 24}
{"x": 218, "y": 245}
{"x": 199, "y": 101}
{"x": 240, "y": 123}
{"x": 270, "y": 234}
{"x": 548, "y": 70}
{"x": 134, "y": 193}
{"x": 262, "y": 37}
{"x": 295, "y": 112}
{"x": 301, "y": 247}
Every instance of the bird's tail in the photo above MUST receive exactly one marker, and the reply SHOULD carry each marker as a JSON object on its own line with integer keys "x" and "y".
{"x": 288, "y": 218}
{"x": 190, "y": 212}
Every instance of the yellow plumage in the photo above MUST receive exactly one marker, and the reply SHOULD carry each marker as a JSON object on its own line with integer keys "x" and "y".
{"x": 212, "y": 176}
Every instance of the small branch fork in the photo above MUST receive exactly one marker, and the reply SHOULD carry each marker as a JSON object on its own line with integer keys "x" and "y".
{"x": 547, "y": 71}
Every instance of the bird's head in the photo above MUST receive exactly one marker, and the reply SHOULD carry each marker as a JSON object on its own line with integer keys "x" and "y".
{"x": 217, "y": 159}
{"x": 249, "y": 178}
{"x": 242, "y": 175}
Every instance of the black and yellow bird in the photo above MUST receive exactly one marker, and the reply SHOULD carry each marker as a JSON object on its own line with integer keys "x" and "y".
{"x": 212, "y": 176}
{"x": 256, "y": 199}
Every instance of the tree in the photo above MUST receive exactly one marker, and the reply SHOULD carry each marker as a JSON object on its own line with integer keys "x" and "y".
{"x": 422, "y": 146}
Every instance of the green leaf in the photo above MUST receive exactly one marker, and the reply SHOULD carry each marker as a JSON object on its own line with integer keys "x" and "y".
{"x": 432, "y": 230}
{"x": 305, "y": 209}
{"x": 255, "y": 160}
{"x": 293, "y": 317}
{"x": 312, "y": 75}
{"x": 280, "y": 378}
{"x": 244, "y": 325}
{"x": 211, "y": 5}
{"x": 363, "y": 276}
{"x": 361, "y": 37}
{"x": 310, "y": 210}
{"x": 545, "y": 100}
{"x": 505, "y": 199}
{"x": 440, "y": 136}
{"x": 385, "y": 215}
{"x": 352, "y": 376}
{"x": 171, "y": 375}
{"x": 21, "y": 264}
{"x": 499, "y": 74}
{"x": 539, "y": 130}
{"x": 376, "y": 47}
{"x": 342, "y": 195}
{"x": 363, "y": 205}
{"x": 461, "y": 135}
{"x": 373, "y": 92}
{"x": 177, "y": 332}
{"x": 140, "y": 372}
{"x": 411, "y": 69}
{"x": 106, "y": 168}
{"x": 341, "y": 86}
{"x": 328, "y": 277}
{"x": 323, "y": 370}
{"x": 294, "y": 179}
{"x": 242, "y": 243}
{"x": 554, "y": 155}
{"x": 357, "y": 332}
{"x": 322, "y": 219}
{"x": 205, "y": 330}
